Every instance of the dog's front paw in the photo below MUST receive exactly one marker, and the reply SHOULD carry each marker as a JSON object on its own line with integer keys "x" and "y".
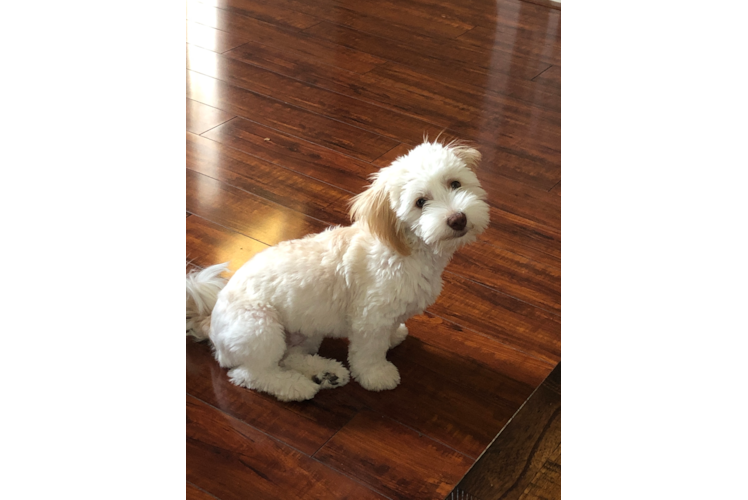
{"x": 382, "y": 377}
{"x": 398, "y": 335}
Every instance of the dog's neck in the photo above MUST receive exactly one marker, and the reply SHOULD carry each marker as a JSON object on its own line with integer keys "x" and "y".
{"x": 427, "y": 254}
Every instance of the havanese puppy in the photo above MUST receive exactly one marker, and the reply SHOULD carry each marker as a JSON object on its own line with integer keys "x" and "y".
{"x": 361, "y": 282}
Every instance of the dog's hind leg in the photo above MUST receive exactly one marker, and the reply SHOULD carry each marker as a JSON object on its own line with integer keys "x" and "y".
{"x": 250, "y": 340}
{"x": 398, "y": 335}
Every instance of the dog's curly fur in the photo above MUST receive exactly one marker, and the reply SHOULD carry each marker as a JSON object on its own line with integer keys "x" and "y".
{"x": 361, "y": 282}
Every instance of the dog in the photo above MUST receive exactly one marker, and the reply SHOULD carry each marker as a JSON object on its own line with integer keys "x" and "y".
{"x": 361, "y": 281}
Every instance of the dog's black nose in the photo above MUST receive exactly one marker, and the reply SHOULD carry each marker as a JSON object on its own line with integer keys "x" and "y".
{"x": 457, "y": 221}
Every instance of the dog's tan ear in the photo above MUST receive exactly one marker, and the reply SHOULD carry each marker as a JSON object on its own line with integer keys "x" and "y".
{"x": 372, "y": 207}
{"x": 463, "y": 151}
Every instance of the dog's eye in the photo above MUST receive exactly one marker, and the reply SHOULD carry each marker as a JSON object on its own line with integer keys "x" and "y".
{"x": 455, "y": 184}
{"x": 421, "y": 202}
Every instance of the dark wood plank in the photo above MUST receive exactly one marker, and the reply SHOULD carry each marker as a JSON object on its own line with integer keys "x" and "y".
{"x": 201, "y": 118}
{"x": 466, "y": 63}
{"x": 209, "y": 38}
{"x": 491, "y": 14}
{"x": 393, "y": 459}
{"x": 383, "y": 18}
{"x": 546, "y": 3}
{"x": 515, "y": 40}
{"x": 294, "y": 154}
{"x": 519, "y": 199}
{"x": 284, "y": 117}
{"x": 434, "y": 399}
{"x": 527, "y": 444}
{"x": 355, "y": 112}
{"x": 396, "y": 20}
{"x": 195, "y": 493}
{"x": 550, "y": 78}
{"x": 233, "y": 460}
{"x": 519, "y": 140}
{"x": 259, "y": 219}
{"x": 523, "y": 237}
{"x": 458, "y": 97}
{"x": 271, "y": 182}
{"x": 249, "y": 13}
{"x": 557, "y": 188}
{"x": 520, "y": 132}
{"x": 531, "y": 281}
{"x": 546, "y": 485}
{"x": 264, "y": 33}
{"x": 485, "y": 353}
{"x": 520, "y": 325}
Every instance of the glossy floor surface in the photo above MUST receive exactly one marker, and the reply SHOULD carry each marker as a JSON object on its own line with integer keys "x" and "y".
{"x": 291, "y": 104}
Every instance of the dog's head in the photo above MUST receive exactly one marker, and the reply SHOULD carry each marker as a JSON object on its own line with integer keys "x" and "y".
{"x": 431, "y": 194}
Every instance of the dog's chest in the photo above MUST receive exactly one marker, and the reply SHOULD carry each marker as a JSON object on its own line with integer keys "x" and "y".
{"x": 419, "y": 287}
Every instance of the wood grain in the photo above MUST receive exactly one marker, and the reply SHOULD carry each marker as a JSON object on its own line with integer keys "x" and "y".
{"x": 467, "y": 64}
{"x": 530, "y": 281}
{"x": 249, "y": 14}
{"x": 260, "y": 219}
{"x": 439, "y": 96}
{"x": 265, "y": 33}
{"x": 355, "y": 112}
{"x": 516, "y": 40}
{"x": 526, "y": 455}
{"x": 294, "y": 154}
{"x": 383, "y": 18}
{"x": 208, "y": 244}
{"x": 201, "y": 118}
{"x": 266, "y": 180}
{"x": 393, "y": 459}
{"x": 520, "y": 325}
{"x": 287, "y": 118}
{"x": 195, "y": 493}
{"x": 230, "y": 459}
{"x": 550, "y": 78}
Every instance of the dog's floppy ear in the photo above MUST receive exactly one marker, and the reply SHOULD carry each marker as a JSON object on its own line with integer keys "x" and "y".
{"x": 463, "y": 151}
{"x": 372, "y": 207}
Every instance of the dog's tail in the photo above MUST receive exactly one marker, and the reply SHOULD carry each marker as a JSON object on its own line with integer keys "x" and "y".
{"x": 202, "y": 291}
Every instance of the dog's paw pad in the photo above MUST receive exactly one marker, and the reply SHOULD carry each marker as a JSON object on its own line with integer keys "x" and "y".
{"x": 329, "y": 380}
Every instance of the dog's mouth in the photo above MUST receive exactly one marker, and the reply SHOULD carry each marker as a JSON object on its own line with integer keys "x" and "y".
{"x": 458, "y": 234}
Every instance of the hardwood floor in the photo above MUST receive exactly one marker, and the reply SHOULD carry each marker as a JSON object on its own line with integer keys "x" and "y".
{"x": 524, "y": 462}
{"x": 291, "y": 104}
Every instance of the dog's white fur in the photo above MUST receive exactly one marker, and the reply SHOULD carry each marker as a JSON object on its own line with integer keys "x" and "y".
{"x": 361, "y": 282}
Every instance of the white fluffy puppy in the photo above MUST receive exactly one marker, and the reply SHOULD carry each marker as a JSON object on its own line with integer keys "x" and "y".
{"x": 361, "y": 282}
